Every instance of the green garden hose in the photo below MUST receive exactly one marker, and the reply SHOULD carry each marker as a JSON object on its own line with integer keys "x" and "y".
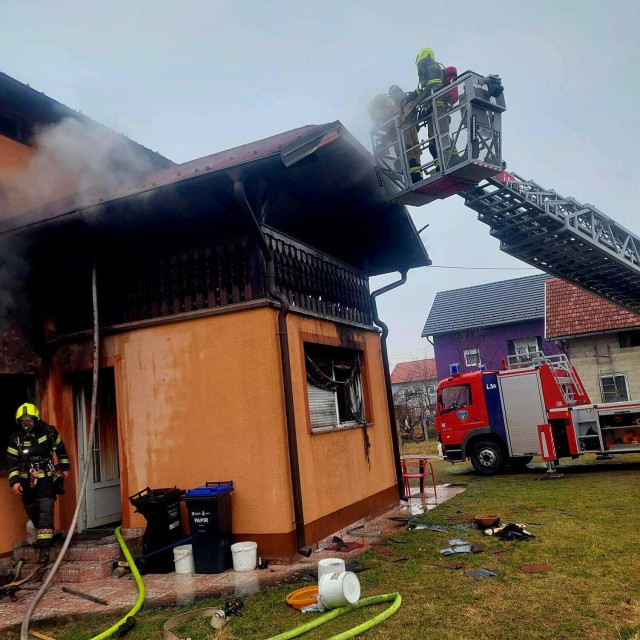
{"x": 335, "y": 613}
{"x": 136, "y": 574}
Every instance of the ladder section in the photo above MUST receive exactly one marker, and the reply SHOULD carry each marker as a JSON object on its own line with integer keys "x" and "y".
{"x": 570, "y": 240}
{"x": 559, "y": 366}
{"x": 440, "y": 143}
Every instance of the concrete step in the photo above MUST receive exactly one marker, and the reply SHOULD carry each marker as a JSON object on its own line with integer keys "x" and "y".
{"x": 76, "y": 572}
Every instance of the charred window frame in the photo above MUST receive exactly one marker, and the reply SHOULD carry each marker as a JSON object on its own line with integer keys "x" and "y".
{"x": 335, "y": 393}
{"x": 455, "y": 397}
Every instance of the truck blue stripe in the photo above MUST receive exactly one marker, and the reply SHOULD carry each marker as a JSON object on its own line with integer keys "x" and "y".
{"x": 494, "y": 406}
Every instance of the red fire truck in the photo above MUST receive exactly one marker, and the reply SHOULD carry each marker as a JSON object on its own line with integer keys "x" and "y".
{"x": 536, "y": 406}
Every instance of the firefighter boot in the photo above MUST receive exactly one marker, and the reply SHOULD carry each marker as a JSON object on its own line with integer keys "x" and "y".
{"x": 414, "y": 170}
{"x": 43, "y": 555}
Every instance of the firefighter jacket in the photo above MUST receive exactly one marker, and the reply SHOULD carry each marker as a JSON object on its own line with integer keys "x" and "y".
{"x": 34, "y": 449}
{"x": 430, "y": 79}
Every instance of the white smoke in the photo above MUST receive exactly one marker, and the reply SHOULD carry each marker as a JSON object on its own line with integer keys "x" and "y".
{"x": 71, "y": 157}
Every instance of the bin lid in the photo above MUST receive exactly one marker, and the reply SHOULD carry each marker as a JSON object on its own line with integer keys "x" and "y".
{"x": 210, "y": 490}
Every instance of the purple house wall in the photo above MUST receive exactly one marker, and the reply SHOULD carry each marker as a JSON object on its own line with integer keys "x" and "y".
{"x": 492, "y": 342}
{"x": 485, "y": 318}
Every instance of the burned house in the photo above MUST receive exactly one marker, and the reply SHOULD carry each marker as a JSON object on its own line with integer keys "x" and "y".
{"x": 237, "y": 334}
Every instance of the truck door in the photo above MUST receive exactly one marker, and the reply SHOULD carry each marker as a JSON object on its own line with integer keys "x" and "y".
{"x": 459, "y": 411}
{"x": 524, "y": 409}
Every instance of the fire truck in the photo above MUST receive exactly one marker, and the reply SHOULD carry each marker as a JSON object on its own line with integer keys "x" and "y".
{"x": 536, "y": 406}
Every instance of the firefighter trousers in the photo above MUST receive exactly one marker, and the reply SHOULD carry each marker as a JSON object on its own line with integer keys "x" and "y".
{"x": 39, "y": 503}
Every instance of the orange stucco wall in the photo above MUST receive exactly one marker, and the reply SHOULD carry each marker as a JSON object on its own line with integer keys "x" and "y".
{"x": 202, "y": 400}
{"x": 13, "y": 155}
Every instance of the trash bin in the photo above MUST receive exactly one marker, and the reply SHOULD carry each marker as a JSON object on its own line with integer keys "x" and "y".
{"x": 161, "y": 509}
{"x": 209, "y": 510}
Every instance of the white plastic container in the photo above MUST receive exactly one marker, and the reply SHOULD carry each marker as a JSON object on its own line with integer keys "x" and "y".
{"x": 330, "y": 565}
{"x": 338, "y": 589}
{"x": 183, "y": 558}
{"x": 244, "y": 556}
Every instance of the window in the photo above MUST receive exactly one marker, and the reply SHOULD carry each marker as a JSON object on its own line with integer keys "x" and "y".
{"x": 410, "y": 392}
{"x": 629, "y": 339}
{"x": 614, "y": 387}
{"x": 431, "y": 389}
{"x": 472, "y": 357}
{"x": 523, "y": 346}
{"x": 334, "y": 387}
{"x": 455, "y": 397}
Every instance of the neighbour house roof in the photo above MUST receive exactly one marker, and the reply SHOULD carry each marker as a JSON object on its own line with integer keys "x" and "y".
{"x": 414, "y": 371}
{"x": 572, "y": 311}
{"x": 315, "y": 183}
{"x": 486, "y": 305}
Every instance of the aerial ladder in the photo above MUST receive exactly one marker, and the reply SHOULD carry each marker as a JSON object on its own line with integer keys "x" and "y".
{"x": 460, "y": 150}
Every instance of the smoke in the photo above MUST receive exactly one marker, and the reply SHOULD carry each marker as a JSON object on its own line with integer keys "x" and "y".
{"x": 71, "y": 158}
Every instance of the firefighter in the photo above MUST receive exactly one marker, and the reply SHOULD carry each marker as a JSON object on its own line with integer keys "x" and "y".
{"x": 410, "y": 134}
{"x": 431, "y": 78}
{"x": 32, "y": 473}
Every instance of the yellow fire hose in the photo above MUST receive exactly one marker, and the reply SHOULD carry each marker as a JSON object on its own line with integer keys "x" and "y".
{"x": 128, "y": 619}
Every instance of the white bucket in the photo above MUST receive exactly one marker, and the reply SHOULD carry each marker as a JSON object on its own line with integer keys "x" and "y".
{"x": 183, "y": 559}
{"x": 244, "y": 555}
{"x": 338, "y": 589}
{"x": 330, "y": 565}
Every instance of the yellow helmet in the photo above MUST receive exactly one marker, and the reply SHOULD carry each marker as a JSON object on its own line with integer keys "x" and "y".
{"x": 427, "y": 52}
{"x": 27, "y": 410}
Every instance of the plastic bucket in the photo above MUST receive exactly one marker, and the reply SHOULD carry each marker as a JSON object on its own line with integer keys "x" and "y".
{"x": 338, "y": 589}
{"x": 330, "y": 565}
{"x": 244, "y": 556}
{"x": 183, "y": 559}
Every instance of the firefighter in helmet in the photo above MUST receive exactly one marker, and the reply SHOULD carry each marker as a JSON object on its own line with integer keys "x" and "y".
{"x": 431, "y": 78}
{"x": 32, "y": 473}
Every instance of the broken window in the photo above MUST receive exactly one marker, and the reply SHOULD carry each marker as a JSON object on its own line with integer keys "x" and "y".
{"x": 334, "y": 386}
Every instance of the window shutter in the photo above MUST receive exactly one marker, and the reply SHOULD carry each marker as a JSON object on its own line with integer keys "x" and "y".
{"x": 322, "y": 407}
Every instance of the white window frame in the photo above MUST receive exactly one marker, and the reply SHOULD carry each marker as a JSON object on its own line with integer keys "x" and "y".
{"x": 472, "y": 352}
{"x": 614, "y": 375}
{"x": 525, "y": 346}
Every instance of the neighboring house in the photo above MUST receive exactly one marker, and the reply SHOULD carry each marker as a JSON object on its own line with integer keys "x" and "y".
{"x": 601, "y": 340}
{"x": 480, "y": 325}
{"x": 415, "y": 386}
{"x": 237, "y": 340}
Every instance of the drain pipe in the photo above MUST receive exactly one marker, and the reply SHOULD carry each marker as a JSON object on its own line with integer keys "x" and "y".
{"x": 292, "y": 440}
{"x": 387, "y": 377}
{"x": 24, "y": 630}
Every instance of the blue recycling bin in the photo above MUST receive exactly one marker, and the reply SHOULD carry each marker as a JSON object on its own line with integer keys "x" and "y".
{"x": 209, "y": 510}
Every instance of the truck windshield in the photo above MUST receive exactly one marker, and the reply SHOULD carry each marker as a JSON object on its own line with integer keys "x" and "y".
{"x": 455, "y": 397}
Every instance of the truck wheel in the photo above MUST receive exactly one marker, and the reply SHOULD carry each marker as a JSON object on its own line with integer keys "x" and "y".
{"x": 487, "y": 457}
{"x": 520, "y": 464}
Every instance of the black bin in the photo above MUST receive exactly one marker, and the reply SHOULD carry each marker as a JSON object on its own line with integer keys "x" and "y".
{"x": 209, "y": 510}
{"x": 161, "y": 509}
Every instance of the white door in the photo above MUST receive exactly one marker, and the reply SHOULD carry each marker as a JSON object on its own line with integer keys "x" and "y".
{"x": 102, "y": 498}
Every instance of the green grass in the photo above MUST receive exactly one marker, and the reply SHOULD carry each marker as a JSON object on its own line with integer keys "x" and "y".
{"x": 593, "y": 591}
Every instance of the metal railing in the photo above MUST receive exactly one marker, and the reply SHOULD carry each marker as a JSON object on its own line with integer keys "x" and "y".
{"x": 455, "y": 132}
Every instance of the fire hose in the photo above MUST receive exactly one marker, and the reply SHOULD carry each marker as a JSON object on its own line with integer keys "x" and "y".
{"x": 394, "y": 598}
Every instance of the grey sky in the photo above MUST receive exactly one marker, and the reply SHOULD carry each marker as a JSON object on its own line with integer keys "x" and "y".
{"x": 189, "y": 79}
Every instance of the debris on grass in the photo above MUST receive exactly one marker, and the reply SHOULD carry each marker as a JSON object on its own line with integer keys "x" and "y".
{"x": 477, "y": 549}
{"x": 477, "y": 574}
{"x": 447, "y": 565}
{"x": 398, "y": 559}
{"x": 564, "y": 513}
{"x": 510, "y": 531}
{"x": 397, "y": 541}
{"x": 536, "y": 568}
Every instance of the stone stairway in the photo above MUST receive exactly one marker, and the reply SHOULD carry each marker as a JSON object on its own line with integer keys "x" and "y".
{"x": 89, "y": 557}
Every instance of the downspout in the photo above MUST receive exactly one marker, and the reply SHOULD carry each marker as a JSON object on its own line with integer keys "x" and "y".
{"x": 387, "y": 377}
{"x": 292, "y": 440}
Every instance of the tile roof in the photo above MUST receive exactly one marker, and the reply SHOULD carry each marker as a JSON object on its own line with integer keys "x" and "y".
{"x": 414, "y": 371}
{"x": 487, "y": 305}
{"x": 572, "y": 311}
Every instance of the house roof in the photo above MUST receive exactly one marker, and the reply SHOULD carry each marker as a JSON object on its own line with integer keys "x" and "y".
{"x": 315, "y": 183}
{"x": 572, "y": 311}
{"x": 33, "y": 108}
{"x": 486, "y": 305}
{"x": 414, "y": 371}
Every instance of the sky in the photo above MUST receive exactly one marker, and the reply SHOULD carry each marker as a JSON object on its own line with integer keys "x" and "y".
{"x": 190, "y": 79}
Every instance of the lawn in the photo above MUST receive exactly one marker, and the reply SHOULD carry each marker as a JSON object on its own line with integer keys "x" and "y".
{"x": 587, "y": 527}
